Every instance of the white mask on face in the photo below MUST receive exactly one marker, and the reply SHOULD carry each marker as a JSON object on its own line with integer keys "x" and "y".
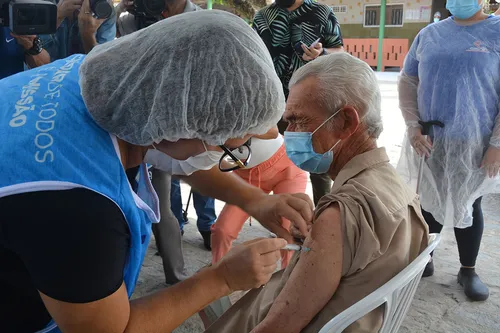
{"x": 204, "y": 161}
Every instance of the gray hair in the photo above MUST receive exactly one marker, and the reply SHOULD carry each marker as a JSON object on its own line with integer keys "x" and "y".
{"x": 345, "y": 80}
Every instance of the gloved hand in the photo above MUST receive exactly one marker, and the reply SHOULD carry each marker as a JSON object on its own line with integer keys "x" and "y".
{"x": 251, "y": 264}
{"x": 491, "y": 161}
{"x": 419, "y": 142}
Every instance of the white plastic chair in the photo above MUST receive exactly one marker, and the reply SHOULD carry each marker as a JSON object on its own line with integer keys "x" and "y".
{"x": 397, "y": 295}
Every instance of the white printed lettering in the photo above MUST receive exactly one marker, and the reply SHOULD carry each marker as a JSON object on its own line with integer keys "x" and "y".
{"x": 57, "y": 93}
{"x": 44, "y": 157}
{"x": 49, "y": 125}
{"x": 25, "y": 101}
{"x": 51, "y": 113}
{"x": 39, "y": 140}
{"x": 18, "y": 121}
{"x": 53, "y": 86}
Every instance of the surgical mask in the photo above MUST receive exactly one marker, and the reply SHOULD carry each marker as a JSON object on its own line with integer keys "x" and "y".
{"x": 284, "y": 3}
{"x": 436, "y": 20}
{"x": 463, "y": 9}
{"x": 204, "y": 161}
{"x": 300, "y": 151}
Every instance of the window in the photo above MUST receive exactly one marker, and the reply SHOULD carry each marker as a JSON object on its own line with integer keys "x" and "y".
{"x": 393, "y": 15}
{"x": 339, "y": 9}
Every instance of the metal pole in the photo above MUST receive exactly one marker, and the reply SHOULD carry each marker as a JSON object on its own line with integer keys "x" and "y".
{"x": 209, "y": 4}
{"x": 381, "y": 34}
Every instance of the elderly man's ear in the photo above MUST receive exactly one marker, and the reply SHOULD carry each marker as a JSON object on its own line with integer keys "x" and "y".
{"x": 347, "y": 122}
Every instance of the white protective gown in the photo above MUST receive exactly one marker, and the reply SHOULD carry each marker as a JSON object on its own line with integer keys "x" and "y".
{"x": 452, "y": 74}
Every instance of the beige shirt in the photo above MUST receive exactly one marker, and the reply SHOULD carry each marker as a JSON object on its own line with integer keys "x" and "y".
{"x": 383, "y": 231}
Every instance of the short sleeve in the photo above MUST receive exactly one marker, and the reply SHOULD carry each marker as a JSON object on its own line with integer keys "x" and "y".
{"x": 410, "y": 66}
{"x": 74, "y": 243}
{"x": 360, "y": 243}
{"x": 332, "y": 36}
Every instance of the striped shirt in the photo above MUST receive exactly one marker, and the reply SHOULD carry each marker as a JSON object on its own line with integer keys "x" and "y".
{"x": 281, "y": 30}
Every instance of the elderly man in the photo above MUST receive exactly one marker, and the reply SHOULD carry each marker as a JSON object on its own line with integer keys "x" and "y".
{"x": 365, "y": 231}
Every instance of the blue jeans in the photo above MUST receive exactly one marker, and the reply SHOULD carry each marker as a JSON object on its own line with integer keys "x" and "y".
{"x": 205, "y": 207}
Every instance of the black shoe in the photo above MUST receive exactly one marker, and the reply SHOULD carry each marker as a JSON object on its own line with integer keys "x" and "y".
{"x": 429, "y": 269}
{"x": 182, "y": 232}
{"x": 207, "y": 235}
{"x": 474, "y": 288}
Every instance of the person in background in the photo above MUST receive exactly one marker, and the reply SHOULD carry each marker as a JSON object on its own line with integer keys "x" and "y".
{"x": 364, "y": 232}
{"x": 306, "y": 21}
{"x": 205, "y": 211}
{"x": 18, "y": 51}
{"x": 448, "y": 76}
{"x": 129, "y": 23}
{"x": 497, "y": 13}
{"x": 168, "y": 232}
{"x": 437, "y": 17}
{"x": 269, "y": 169}
{"x": 78, "y": 31}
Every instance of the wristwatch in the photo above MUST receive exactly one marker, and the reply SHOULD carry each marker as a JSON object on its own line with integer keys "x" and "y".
{"x": 36, "y": 48}
{"x": 325, "y": 52}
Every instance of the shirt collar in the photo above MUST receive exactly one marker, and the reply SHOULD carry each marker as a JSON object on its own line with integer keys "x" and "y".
{"x": 358, "y": 164}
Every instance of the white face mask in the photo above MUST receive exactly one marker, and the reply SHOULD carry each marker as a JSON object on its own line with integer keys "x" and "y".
{"x": 204, "y": 161}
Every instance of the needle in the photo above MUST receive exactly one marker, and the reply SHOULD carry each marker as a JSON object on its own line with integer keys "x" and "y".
{"x": 295, "y": 247}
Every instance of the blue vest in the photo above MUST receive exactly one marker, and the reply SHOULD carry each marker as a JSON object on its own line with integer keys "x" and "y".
{"x": 50, "y": 142}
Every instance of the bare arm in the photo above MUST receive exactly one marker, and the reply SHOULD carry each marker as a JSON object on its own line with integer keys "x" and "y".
{"x": 244, "y": 267}
{"x": 224, "y": 186}
{"x": 313, "y": 281}
{"x": 160, "y": 312}
{"x": 271, "y": 134}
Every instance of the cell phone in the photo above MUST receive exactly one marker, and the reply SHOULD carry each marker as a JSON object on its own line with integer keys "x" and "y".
{"x": 313, "y": 45}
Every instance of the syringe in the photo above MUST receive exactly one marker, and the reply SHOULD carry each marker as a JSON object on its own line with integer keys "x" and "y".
{"x": 296, "y": 247}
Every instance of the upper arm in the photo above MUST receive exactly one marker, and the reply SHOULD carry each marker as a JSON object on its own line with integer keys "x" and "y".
{"x": 410, "y": 66}
{"x": 313, "y": 280}
{"x": 332, "y": 36}
{"x": 106, "y": 315}
{"x": 271, "y": 134}
{"x": 107, "y": 31}
{"x": 74, "y": 244}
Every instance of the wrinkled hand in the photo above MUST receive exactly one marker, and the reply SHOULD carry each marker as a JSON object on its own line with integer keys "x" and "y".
{"x": 251, "y": 264}
{"x": 26, "y": 41}
{"x": 270, "y": 209}
{"x": 311, "y": 54}
{"x": 491, "y": 162}
{"x": 422, "y": 145}
{"x": 87, "y": 23}
{"x": 66, "y": 8}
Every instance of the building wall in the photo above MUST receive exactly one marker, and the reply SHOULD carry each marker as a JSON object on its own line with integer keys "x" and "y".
{"x": 416, "y": 15}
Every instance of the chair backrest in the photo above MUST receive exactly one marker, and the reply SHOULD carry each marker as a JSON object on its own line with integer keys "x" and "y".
{"x": 396, "y": 294}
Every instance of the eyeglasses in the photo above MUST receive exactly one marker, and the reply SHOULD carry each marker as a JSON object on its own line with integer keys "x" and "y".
{"x": 235, "y": 158}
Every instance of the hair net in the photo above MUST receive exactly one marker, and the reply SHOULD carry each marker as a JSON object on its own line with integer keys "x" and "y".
{"x": 204, "y": 75}
{"x": 461, "y": 90}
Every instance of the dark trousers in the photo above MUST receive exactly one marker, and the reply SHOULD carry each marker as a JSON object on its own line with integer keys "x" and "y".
{"x": 468, "y": 239}
{"x": 321, "y": 184}
{"x": 205, "y": 207}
